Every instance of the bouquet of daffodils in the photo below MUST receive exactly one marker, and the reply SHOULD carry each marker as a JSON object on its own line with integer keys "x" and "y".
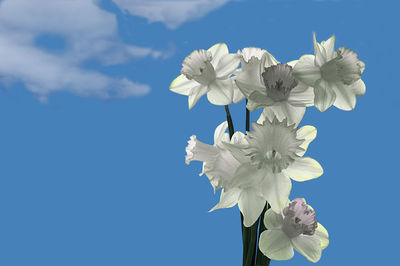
{"x": 254, "y": 169}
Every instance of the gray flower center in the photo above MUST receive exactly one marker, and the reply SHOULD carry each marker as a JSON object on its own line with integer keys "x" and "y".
{"x": 344, "y": 67}
{"x": 279, "y": 81}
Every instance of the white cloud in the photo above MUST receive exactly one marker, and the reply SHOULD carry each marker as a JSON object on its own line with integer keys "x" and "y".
{"x": 171, "y": 12}
{"x": 90, "y": 33}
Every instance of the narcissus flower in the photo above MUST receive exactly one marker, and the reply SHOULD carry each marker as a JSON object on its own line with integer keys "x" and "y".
{"x": 218, "y": 163}
{"x": 269, "y": 84}
{"x": 296, "y": 227}
{"x": 269, "y": 156}
{"x": 208, "y": 72}
{"x": 334, "y": 75}
{"x": 223, "y": 170}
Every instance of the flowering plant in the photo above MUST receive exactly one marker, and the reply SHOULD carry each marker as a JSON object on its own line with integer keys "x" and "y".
{"x": 254, "y": 169}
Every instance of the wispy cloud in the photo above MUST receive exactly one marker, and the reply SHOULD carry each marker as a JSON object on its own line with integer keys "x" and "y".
{"x": 171, "y": 12}
{"x": 89, "y": 32}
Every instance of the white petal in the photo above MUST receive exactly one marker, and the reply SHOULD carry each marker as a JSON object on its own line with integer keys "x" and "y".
{"x": 228, "y": 199}
{"x": 275, "y": 245}
{"x": 237, "y": 151}
{"x": 183, "y": 85}
{"x": 308, "y": 246}
{"x": 308, "y": 133}
{"x": 329, "y": 47}
{"x": 306, "y": 71}
{"x": 276, "y": 189}
{"x": 322, "y": 233}
{"x": 303, "y": 169}
{"x": 272, "y": 220}
{"x": 239, "y": 138}
{"x": 220, "y": 92}
{"x": 227, "y": 65}
{"x": 292, "y": 63}
{"x": 320, "y": 53}
{"x": 237, "y": 94}
{"x": 247, "y": 176}
{"x": 324, "y": 95}
{"x": 249, "y": 78}
{"x": 269, "y": 60}
{"x": 251, "y": 206}
{"x": 220, "y": 131}
{"x": 282, "y": 110}
{"x": 196, "y": 94}
{"x": 301, "y": 95}
{"x": 218, "y": 51}
{"x": 248, "y": 88}
{"x": 358, "y": 87}
{"x": 345, "y": 96}
{"x": 258, "y": 100}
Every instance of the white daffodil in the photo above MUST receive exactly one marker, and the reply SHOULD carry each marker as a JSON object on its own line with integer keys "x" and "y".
{"x": 208, "y": 72}
{"x": 295, "y": 228}
{"x": 269, "y": 156}
{"x": 335, "y": 76}
{"x": 223, "y": 170}
{"x": 218, "y": 163}
{"x": 269, "y": 84}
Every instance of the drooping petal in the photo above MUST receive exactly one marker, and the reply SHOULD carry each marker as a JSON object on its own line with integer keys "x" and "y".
{"x": 322, "y": 233}
{"x": 251, "y": 205}
{"x": 228, "y": 199}
{"x": 227, "y": 65}
{"x": 183, "y": 85}
{"x": 345, "y": 96}
{"x": 308, "y": 133}
{"x": 324, "y": 95}
{"x": 196, "y": 94}
{"x": 306, "y": 71}
{"x": 218, "y": 51}
{"x": 308, "y": 246}
{"x": 275, "y": 245}
{"x": 220, "y": 131}
{"x": 303, "y": 169}
{"x": 276, "y": 189}
{"x": 220, "y": 92}
{"x": 282, "y": 110}
{"x": 272, "y": 220}
{"x": 320, "y": 53}
{"x": 302, "y": 95}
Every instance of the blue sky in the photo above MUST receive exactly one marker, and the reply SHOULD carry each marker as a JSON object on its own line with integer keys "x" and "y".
{"x": 92, "y": 141}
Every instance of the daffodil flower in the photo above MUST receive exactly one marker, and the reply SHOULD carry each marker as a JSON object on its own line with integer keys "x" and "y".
{"x": 208, "y": 72}
{"x": 334, "y": 75}
{"x": 218, "y": 163}
{"x": 296, "y": 227}
{"x": 222, "y": 169}
{"x": 269, "y": 84}
{"x": 269, "y": 156}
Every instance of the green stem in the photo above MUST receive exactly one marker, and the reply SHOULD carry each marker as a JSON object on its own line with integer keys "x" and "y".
{"x": 247, "y": 236}
{"x": 230, "y": 123}
{"x": 249, "y": 257}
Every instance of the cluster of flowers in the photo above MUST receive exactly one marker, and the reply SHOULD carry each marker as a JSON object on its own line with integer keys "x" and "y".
{"x": 257, "y": 167}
